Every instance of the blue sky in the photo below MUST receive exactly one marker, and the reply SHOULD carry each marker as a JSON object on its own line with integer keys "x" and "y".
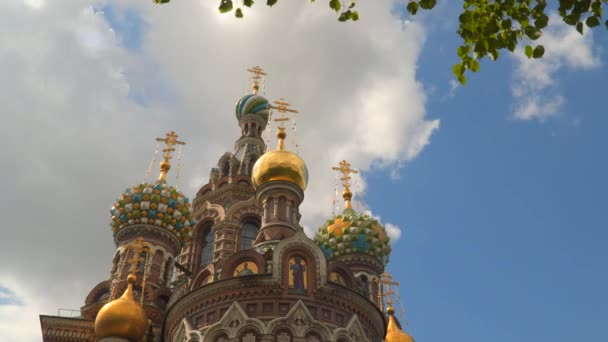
{"x": 503, "y": 217}
{"x": 505, "y": 225}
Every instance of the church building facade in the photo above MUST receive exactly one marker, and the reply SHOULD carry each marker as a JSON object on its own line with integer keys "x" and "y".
{"x": 234, "y": 263}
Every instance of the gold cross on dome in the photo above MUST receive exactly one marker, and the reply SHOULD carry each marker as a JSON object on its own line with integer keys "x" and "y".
{"x": 138, "y": 247}
{"x": 384, "y": 288}
{"x": 256, "y": 75}
{"x": 170, "y": 141}
{"x": 283, "y": 108}
{"x": 344, "y": 168}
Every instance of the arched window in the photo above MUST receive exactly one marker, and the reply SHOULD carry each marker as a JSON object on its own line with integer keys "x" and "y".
{"x": 207, "y": 243}
{"x": 248, "y": 234}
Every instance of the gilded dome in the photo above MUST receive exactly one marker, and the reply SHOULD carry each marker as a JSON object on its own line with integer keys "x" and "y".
{"x": 350, "y": 233}
{"x": 393, "y": 332}
{"x": 280, "y": 165}
{"x": 122, "y": 317}
{"x": 252, "y": 104}
{"x": 157, "y": 204}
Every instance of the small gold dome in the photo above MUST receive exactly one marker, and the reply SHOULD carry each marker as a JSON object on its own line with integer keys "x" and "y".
{"x": 280, "y": 165}
{"x": 122, "y": 317}
{"x": 393, "y": 332}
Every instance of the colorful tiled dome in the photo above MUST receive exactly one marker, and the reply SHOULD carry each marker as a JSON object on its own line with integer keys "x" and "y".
{"x": 252, "y": 104}
{"x": 352, "y": 233}
{"x": 155, "y": 204}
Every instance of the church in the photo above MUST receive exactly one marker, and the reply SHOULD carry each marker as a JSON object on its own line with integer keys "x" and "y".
{"x": 234, "y": 264}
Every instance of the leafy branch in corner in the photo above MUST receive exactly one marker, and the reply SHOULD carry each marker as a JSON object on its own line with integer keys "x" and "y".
{"x": 487, "y": 27}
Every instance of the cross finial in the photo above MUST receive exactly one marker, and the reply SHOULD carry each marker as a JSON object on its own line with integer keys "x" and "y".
{"x": 385, "y": 290}
{"x": 170, "y": 141}
{"x": 257, "y": 75}
{"x": 138, "y": 247}
{"x": 344, "y": 168}
{"x": 283, "y": 108}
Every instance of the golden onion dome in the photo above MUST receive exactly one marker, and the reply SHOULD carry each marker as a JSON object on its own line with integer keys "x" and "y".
{"x": 280, "y": 165}
{"x": 393, "y": 332}
{"x": 122, "y": 317}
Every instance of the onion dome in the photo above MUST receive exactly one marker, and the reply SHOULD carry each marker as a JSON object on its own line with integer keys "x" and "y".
{"x": 156, "y": 204}
{"x": 280, "y": 165}
{"x": 252, "y": 104}
{"x": 351, "y": 233}
{"x": 393, "y": 331}
{"x": 122, "y": 317}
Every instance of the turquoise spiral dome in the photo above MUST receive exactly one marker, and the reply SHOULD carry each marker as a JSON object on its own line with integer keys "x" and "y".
{"x": 252, "y": 104}
{"x": 157, "y": 204}
{"x": 353, "y": 233}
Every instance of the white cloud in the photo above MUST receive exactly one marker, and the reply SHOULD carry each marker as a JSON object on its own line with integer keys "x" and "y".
{"x": 534, "y": 85}
{"x": 80, "y": 138}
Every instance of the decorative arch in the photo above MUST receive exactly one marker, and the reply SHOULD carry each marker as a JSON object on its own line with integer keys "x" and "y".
{"x": 299, "y": 321}
{"x": 98, "y": 291}
{"x": 352, "y": 332}
{"x": 300, "y": 244}
{"x": 199, "y": 280}
{"x": 248, "y": 255}
{"x": 344, "y": 271}
{"x": 234, "y": 321}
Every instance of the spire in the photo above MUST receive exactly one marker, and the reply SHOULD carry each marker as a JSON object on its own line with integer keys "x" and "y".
{"x": 124, "y": 317}
{"x": 394, "y": 332}
{"x": 257, "y": 75}
{"x": 344, "y": 168}
{"x": 283, "y": 108}
{"x": 170, "y": 140}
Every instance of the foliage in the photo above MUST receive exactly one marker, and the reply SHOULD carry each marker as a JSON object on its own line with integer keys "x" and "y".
{"x": 487, "y": 27}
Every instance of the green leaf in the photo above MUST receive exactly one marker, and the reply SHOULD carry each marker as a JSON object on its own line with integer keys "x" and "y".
{"x": 538, "y": 52}
{"x": 532, "y": 32}
{"x": 506, "y": 24}
{"x": 271, "y": 2}
{"x": 462, "y": 79}
{"x": 541, "y": 21}
{"x": 572, "y": 18}
{"x": 428, "y": 4}
{"x": 225, "y": 6}
{"x": 463, "y": 50}
{"x": 593, "y": 21}
{"x": 354, "y": 15}
{"x": 412, "y": 7}
{"x": 458, "y": 69}
{"x": 238, "y": 13}
{"x": 336, "y": 5}
{"x": 473, "y": 64}
{"x": 248, "y": 3}
{"x": 579, "y": 27}
{"x": 529, "y": 51}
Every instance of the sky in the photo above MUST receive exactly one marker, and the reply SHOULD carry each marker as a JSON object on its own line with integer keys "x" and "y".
{"x": 494, "y": 193}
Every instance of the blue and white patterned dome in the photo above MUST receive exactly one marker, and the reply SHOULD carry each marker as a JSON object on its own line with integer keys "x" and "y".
{"x": 252, "y": 104}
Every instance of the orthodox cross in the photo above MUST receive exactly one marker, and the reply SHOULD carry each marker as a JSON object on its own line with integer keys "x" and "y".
{"x": 138, "y": 247}
{"x": 256, "y": 75}
{"x": 344, "y": 168}
{"x": 283, "y": 108}
{"x": 385, "y": 290}
{"x": 170, "y": 140}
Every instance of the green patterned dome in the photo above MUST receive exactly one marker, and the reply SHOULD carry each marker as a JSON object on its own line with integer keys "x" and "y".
{"x": 154, "y": 204}
{"x": 252, "y": 104}
{"x": 351, "y": 233}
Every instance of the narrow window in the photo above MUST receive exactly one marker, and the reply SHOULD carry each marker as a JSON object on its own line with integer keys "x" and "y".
{"x": 207, "y": 253}
{"x": 248, "y": 234}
